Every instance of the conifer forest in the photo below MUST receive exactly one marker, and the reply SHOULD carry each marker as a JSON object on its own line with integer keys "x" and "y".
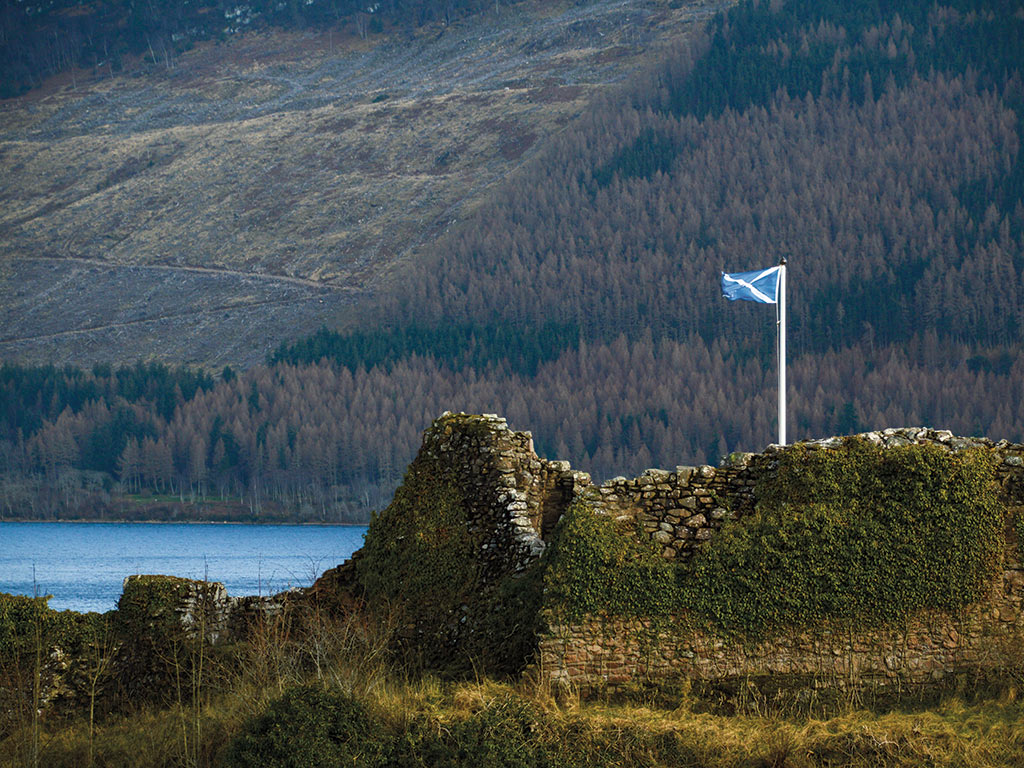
{"x": 876, "y": 146}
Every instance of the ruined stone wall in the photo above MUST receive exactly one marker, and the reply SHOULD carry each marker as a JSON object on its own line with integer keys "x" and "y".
{"x": 608, "y": 655}
{"x": 204, "y": 608}
{"x": 679, "y": 510}
{"x": 514, "y": 499}
{"x": 518, "y": 497}
{"x": 682, "y": 509}
{"x": 511, "y": 494}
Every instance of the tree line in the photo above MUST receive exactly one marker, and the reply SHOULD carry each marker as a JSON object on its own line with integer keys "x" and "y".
{"x": 328, "y": 443}
{"x": 878, "y": 148}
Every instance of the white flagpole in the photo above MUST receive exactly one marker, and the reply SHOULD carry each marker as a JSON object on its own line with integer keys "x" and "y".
{"x": 781, "y": 321}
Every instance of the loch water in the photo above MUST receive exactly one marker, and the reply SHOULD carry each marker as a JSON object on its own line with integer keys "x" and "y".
{"x": 83, "y": 565}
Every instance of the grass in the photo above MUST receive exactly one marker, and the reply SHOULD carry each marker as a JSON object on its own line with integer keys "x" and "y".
{"x": 980, "y": 735}
{"x": 425, "y": 720}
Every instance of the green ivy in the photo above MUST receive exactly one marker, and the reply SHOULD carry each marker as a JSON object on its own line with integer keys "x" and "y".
{"x": 147, "y": 606}
{"x": 1018, "y": 520}
{"x": 858, "y": 534}
{"x": 421, "y": 558}
{"x": 159, "y": 652}
{"x": 28, "y": 623}
{"x": 418, "y": 553}
{"x": 598, "y": 566}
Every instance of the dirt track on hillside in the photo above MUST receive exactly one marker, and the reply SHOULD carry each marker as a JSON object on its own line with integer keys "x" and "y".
{"x": 264, "y": 171}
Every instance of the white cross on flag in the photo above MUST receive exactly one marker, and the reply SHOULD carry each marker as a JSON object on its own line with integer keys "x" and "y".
{"x": 761, "y": 285}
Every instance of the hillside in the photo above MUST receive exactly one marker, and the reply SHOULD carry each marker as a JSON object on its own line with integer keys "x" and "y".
{"x": 879, "y": 149}
{"x": 241, "y": 194}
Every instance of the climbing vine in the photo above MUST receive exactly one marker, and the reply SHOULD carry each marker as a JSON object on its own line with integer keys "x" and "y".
{"x": 1019, "y": 525}
{"x": 418, "y": 553}
{"x": 422, "y": 558}
{"x": 858, "y": 534}
{"x": 28, "y": 622}
{"x": 599, "y": 566}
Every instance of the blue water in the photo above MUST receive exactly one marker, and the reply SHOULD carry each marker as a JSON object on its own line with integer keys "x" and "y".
{"x": 83, "y": 565}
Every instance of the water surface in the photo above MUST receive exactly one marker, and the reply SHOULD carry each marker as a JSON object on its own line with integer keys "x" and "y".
{"x": 83, "y": 565}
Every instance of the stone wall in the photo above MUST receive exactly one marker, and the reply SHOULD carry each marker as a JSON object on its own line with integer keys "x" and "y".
{"x": 514, "y": 499}
{"x": 611, "y": 655}
{"x": 683, "y": 508}
{"x": 518, "y": 497}
{"x": 204, "y": 608}
{"x": 512, "y": 495}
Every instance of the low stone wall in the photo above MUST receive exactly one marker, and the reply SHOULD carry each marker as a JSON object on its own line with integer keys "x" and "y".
{"x": 679, "y": 510}
{"x": 612, "y": 655}
{"x": 684, "y": 508}
{"x": 204, "y": 608}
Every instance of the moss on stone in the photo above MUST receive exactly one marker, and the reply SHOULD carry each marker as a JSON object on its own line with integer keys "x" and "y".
{"x": 1018, "y": 520}
{"x": 28, "y": 623}
{"x": 860, "y": 535}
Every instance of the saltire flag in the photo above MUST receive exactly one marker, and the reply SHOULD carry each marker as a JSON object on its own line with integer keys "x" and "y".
{"x": 761, "y": 285}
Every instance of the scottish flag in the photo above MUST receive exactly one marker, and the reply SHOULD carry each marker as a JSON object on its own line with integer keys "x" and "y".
{"x": 761, "y": 285}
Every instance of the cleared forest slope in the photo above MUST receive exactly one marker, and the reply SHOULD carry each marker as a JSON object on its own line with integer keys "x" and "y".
{"x": 257, "y": 189}
{"x": 878, "y": 148}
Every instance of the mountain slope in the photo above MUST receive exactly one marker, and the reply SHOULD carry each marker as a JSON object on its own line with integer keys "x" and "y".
{"x": 263, "y": 187}
{"x": 879, "y": 148}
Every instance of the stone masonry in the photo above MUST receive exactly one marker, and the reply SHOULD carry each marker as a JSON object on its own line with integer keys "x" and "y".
{"x": 513, "y": 495}
{"x": 515, "y": 498}
{"x": 519, "y": 497}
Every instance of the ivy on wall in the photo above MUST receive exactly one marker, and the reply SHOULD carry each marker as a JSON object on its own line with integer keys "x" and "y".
{"x": 161, "y": 656}
{"x": 599, "y": 566}
{"x": 419, "y": 551}
{"x": 422, "y": 558}
{"x": 1019, "y": 525}
{"x": 858, "y": 534}
{"x": 28, "y": 623}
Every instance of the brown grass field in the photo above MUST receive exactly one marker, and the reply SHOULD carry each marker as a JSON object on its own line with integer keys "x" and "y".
{"x": 520, "y": 723}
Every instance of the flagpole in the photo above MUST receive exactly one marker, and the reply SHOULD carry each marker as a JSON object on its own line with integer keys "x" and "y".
{"x": 781, "y": 321}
